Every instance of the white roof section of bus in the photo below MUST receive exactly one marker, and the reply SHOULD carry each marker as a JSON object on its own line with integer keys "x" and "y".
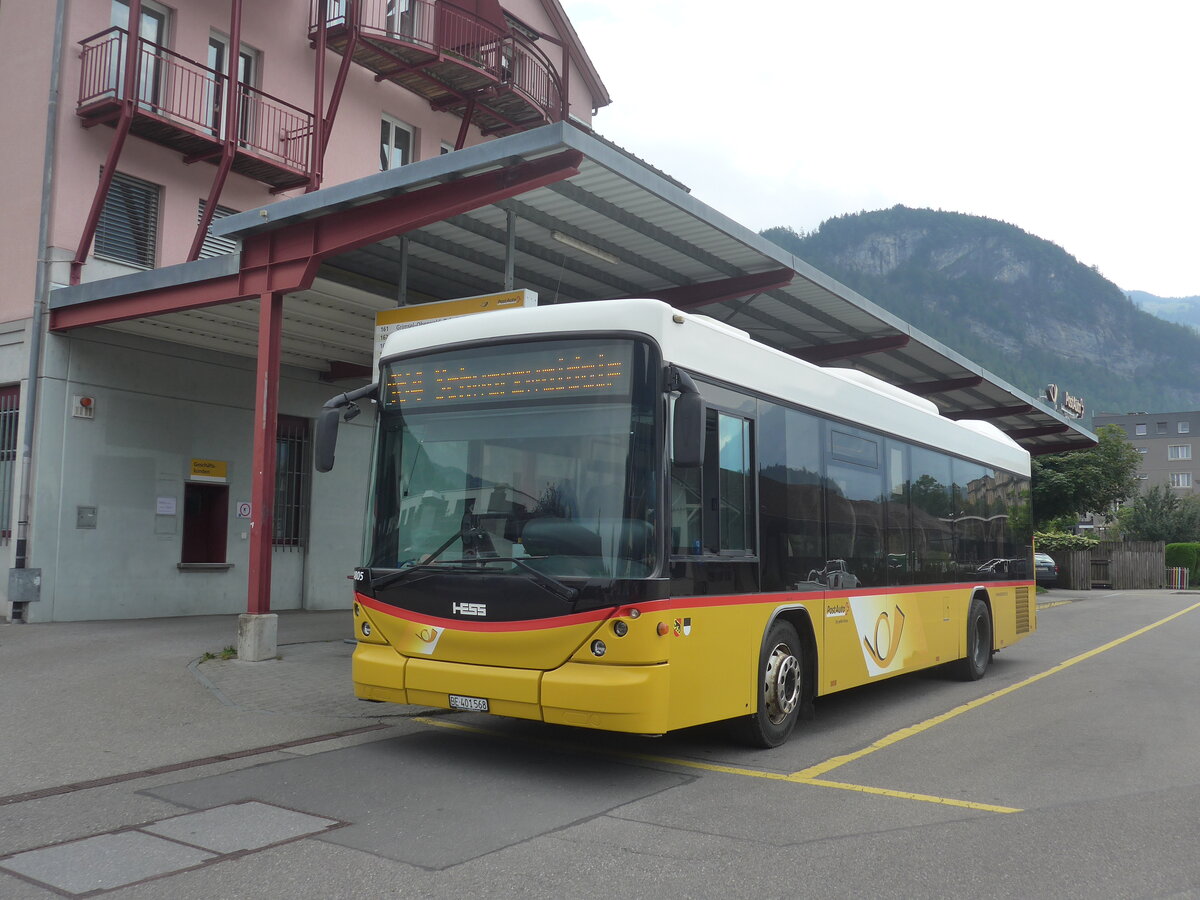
{"x": 648, "y": 233}
{"x": 705, "y": 347}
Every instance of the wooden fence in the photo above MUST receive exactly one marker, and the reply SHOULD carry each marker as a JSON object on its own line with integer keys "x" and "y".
{"x": 1121, "y": 565}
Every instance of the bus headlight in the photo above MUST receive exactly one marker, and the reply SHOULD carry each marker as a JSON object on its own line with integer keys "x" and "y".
{"x": 366, "y": 629}
{"x": 598, "y": 648}
{"x": 620, "y": 628}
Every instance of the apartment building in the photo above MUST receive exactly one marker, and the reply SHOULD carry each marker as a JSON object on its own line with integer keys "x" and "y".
{"x": 125, "y": 452}
{"x": 1165, "y": 442}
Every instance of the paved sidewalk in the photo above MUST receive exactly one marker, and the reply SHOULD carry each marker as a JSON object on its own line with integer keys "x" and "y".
{"x": 89, "y": 700}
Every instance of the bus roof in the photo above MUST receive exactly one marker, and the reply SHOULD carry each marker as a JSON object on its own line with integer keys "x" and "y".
{"x": 706, "y": 347}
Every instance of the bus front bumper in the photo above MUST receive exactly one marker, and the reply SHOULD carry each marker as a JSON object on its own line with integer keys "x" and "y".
{"x": 632, "y": 699}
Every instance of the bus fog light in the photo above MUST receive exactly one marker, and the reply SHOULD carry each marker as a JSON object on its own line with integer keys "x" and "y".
{"x": 366, "y": 629}
{"x": 620, "y": 629}
{"x": 598, "y": 648}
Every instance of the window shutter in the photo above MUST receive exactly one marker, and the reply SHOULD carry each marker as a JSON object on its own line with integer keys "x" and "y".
{"x": 213, "y": 245}
{"x": 128, "y": 227}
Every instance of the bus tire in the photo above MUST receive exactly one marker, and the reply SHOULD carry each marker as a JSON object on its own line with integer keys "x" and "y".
{"x": 979, "y": 642}
{"x": 780, "y": 688}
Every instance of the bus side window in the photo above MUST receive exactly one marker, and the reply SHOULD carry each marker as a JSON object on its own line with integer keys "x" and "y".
{"x": 712, "y": 509}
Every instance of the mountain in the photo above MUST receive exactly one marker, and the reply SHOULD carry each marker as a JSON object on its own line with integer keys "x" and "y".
{"x": 1018, "y": 305}
{"x": 1183, "y": 310}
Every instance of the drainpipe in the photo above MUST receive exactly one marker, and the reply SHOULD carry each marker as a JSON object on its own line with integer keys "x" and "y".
{"x": 41, "y": 299}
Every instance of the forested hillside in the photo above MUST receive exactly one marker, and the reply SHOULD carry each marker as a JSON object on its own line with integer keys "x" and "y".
{"x": 1018, "y": 305}
{"x": 1184, "y": 310}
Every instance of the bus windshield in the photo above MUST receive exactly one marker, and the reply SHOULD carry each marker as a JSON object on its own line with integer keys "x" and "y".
{"x": 541, "y": 452}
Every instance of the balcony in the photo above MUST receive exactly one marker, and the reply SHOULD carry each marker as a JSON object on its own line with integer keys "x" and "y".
{"x": 499, "y": 80}
{"x": 180, "y": 105}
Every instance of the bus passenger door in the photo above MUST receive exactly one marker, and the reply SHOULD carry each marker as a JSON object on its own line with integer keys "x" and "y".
{"x": 713, "y": 568}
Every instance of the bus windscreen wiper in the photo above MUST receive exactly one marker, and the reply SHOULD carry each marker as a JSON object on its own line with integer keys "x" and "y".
{"x": 549, "y": 582}
{"x": 476, "y": 564}
{"x": 409, "y": 568}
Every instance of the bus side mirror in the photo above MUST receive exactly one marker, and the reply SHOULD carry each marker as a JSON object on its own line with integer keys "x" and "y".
{"x": 325, "y": 441}
{"x": 687, "y": 429}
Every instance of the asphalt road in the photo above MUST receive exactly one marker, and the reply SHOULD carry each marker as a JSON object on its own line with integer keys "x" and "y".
{"x": 1072, "y": 768}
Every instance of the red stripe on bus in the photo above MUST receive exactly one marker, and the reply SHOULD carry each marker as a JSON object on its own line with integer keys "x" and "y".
{"x": 672, "y": 603}
{"x": 594, "y": 615}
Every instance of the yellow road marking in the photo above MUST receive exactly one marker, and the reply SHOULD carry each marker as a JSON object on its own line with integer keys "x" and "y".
{"x": 729, "y": 770}
{"x": 905, "y": 795}
{"x": 896, "y": 736}
{"x": 1053, "y": 603}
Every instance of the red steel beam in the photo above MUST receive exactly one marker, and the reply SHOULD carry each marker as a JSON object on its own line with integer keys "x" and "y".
{"x": 850, "y": 349}
{"x": 692, "y": 296}
{"x": 287, "y": 259}
{"x": 195, "y": 295}
{"x": 316, "y": 140}
{"x": 339, "y": 83}
{"x": 925, "y": 388}
{"x": 266, "y": 417}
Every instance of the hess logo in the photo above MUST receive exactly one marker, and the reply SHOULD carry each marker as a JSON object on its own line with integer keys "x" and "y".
{"x": 469, "y": 609}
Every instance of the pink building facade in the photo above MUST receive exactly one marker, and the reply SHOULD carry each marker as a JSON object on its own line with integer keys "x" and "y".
{"x": 101, "y": 431}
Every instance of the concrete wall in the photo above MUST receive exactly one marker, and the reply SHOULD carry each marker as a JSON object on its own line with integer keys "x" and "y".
{"x": 158, "y": 406}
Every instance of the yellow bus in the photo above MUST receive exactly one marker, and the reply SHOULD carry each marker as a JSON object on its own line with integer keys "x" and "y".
{"x": 621, "y": 516}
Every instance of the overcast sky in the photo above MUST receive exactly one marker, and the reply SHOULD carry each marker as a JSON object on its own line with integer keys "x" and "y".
{"x": 1075, "y": 121}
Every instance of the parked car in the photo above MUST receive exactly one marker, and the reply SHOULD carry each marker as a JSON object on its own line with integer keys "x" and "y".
{"x": 1046, "y": 568}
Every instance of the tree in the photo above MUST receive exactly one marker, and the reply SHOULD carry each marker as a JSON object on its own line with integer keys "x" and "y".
{"x": 1096, "y": 480}
{"x": 1161, "y": 515}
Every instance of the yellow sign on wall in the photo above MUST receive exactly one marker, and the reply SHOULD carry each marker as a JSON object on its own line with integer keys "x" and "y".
{"x": 209, "y": 470}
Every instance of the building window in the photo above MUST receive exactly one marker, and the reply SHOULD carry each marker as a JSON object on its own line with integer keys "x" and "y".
{"x": 205, "y": 523}
{"x": 292, "y": 467}
{"x": 128, "y": 228}
{"x": 1141, "y": 476}
{"x": 1160, "y": 427}
{"x": 1139, "y": 429}
{"x": 1142, "y": 450}
{"x": 1181, "y": 479}
{"x": 152, "y": 30}
{"x": 1179, "y": 451}
{"x": 395, "y": 144}
{"x": 1185, "y": 427}
{"x": 10, "y": 398}
{"x": 218, "y": 61}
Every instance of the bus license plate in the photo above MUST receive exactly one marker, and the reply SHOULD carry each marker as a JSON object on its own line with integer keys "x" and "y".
{"x": 474, "y": 704}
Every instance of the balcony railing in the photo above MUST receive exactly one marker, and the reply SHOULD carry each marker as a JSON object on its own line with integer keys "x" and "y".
{"x": 444, "y": 34}
{"x": 189, "y": 99}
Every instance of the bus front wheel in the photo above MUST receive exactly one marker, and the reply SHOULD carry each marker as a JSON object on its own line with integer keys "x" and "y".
{"x": 780, "y": 688}
{"x": 979, "y": 642}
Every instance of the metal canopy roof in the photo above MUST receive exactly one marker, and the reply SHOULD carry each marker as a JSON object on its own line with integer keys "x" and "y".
{"x": 618, "y": 228}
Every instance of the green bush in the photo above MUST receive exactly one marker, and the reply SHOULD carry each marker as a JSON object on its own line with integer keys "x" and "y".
{"x": 1185, "y": 556}
{"x": 1051, "y": 541}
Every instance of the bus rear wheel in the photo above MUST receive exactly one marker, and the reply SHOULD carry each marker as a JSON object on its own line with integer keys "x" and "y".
{"x": 979, "y": 642}
{"x": 780, "y": 688}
